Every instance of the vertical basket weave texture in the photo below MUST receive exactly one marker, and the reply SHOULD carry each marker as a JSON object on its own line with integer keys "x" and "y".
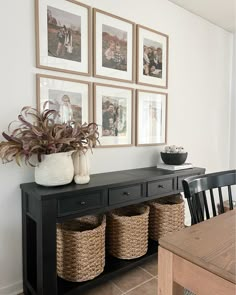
{"x": 81, "y": 248}
{"x": 166, "y": 216}
{"x": 127, "y": 232}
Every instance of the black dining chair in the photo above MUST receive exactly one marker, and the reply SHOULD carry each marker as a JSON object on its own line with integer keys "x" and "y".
{"x": 203, "y": 190}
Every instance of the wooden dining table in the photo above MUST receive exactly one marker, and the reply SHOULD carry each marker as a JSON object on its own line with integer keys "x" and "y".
{"x": 200, "y": 258}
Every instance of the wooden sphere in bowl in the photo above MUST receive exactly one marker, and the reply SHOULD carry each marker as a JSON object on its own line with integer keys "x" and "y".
{"x": 174, "y": 158}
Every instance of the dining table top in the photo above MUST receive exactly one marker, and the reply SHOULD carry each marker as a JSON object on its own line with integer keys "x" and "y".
{"x": 210, "y": 244}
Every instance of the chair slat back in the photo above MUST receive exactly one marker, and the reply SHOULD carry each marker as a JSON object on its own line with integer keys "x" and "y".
{"x": 213, "y": 202}
{"x": 206, "y": 205}
{"x": 230, "y": 198}
{"x": 196, "y": 189}
{"x": 222, "y": 210}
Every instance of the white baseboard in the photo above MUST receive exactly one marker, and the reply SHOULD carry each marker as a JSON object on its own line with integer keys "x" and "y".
{"x": 13, "y": 289}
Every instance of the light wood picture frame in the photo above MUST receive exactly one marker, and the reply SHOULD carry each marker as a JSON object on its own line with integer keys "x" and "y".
{"x": 151, "y": 118}
{"x": 70, "y": 97}
{"x": 63, "y": 36}
{"x": 152, "y": 57}
{"x": 114, "y": 47}
{"x": 114, "y": 114}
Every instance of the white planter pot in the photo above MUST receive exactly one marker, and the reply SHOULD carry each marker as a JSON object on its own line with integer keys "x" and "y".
{"x": 55, "y": 169}
{"x": 81, "y": 167}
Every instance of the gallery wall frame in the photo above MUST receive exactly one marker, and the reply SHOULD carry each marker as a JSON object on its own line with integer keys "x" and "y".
{"x": 115, "y": 43}
{"x": 152, "y": 57}
{"x": 151, "y": 118}
{"x": 70, "y": 97}
{"x": 115, "y": 114}
{"x": 114, "y": 47}
{"x": 59, "y": 21}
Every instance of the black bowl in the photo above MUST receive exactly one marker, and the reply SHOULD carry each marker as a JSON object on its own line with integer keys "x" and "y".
{"x": 174, "y": 158}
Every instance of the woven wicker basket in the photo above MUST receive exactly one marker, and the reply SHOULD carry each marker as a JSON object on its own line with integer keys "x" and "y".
{"x": 166, "y": 216}
{"x": 81, "y": 248}
{"x": 127, "y": 232}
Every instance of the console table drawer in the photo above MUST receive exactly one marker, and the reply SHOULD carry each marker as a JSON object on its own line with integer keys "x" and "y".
{"x": 93, "y": 200}
{"x": 160, "y": 187}
{"x": 125, "y": 194}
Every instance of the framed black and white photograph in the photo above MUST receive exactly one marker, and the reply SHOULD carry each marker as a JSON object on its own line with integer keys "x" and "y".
{"x": 152, "y": 57}
{"x": 151, "y": 118}
{"x": 67, "y": 96}
{"x": 113, "y": 112}
{"x": 113, "y": 47}
{"x": 63, "y": 36}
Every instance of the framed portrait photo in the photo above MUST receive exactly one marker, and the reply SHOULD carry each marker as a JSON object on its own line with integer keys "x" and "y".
{"x": 113, "y": 112}
{"x": 151, "y": 116}
{"x": 152, "y": 57}
{"x": 63, "y": 36}
{"x": 114, "y": 41}
{"x": 67, "y": 96}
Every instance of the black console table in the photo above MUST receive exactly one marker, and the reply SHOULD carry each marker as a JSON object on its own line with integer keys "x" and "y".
{"x": 43, "y": 207}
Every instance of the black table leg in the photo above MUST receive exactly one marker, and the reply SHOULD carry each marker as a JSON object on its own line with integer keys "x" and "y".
{"x": 46, "y": 248}
{"x": 25, "y": 234}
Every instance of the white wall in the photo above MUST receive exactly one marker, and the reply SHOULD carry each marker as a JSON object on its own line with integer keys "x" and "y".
{"x": 198, "y": 113}
{"x": 233, "y": 111}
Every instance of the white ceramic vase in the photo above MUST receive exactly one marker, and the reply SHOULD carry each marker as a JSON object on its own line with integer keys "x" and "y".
{"x": 55, "y": 169}
{"x": 81, "y": 167}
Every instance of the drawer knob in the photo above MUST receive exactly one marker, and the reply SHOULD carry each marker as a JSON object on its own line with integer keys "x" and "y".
{"x": 160, "y": 186}
{"x": 126, "y": 193}
{"x": 82, "y": 203}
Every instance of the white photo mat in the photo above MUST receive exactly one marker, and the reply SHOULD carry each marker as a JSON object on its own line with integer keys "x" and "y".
{"x": 144, "y": 33}
{"x": 49, "y": 84}
{"x": 55, "y": 63}
{"x": 151, "y": 118}
{"x": 119, "y": 93}
{"x": 101, "y": 19}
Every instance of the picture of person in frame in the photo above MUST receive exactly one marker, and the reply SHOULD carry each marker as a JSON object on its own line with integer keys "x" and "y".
{"x": 114, "y": 116}
{"x": 152, "y": 58}
{"x": 114, "y": 51}
{"x": 64, "y": 34}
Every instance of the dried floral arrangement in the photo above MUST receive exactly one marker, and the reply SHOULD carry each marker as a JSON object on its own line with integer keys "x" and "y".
{"x": 38, "y": 133}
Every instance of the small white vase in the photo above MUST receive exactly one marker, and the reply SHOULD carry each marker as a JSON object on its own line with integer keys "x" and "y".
{"x": 81, "y": 167}
{"x": 55, "y": 169}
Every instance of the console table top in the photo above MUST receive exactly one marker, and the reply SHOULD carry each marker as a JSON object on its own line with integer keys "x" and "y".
{"x": 109, "y": 179}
